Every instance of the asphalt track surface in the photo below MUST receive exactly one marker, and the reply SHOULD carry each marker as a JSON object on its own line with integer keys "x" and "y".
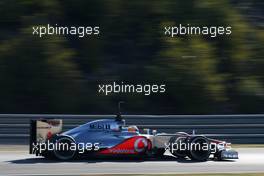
{"x": 18, "y": 162}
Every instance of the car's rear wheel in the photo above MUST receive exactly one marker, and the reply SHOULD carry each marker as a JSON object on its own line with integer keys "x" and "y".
{"x": 64, "y": 148}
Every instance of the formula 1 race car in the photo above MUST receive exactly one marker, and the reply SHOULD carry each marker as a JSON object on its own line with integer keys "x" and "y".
{"x": 111, "y": 137}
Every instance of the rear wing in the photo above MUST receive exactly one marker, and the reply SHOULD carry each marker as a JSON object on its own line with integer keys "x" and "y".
{"x": 42, "y": 130}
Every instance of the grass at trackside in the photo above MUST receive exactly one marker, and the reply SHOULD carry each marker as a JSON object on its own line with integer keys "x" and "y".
{"x": 249, "y": 174}
{"x": 259, "y": 174}
{"x": 224, "y": 174}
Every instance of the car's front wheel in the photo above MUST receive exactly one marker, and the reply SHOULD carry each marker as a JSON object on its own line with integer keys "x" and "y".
{"x": 199, "y": 148}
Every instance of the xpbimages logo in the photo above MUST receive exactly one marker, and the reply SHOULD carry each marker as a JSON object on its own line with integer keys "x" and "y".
{"x": 212, "y": 31}
{"x": 146, "y": 89}
{"x": 79, "y": 31}
{"x": 59, "y": 146}
{"x": 183, "y": 147}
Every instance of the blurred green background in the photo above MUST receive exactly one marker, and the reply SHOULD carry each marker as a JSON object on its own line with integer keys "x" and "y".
{"x": 60, "y": 74}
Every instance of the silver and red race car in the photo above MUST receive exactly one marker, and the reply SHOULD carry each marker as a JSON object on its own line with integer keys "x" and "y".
{"x": 111, "y": 138}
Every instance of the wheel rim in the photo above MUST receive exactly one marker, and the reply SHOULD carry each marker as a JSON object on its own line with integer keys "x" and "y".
{"x": 200, "y": 153}
{"x": 63, "y": 150}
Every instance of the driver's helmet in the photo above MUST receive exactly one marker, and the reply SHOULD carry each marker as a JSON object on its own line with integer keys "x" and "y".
{"x": 132, "y": 128}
